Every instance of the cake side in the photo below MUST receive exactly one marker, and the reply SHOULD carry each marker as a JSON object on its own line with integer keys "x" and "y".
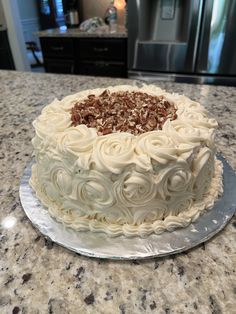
{"x": 124, "y": 183}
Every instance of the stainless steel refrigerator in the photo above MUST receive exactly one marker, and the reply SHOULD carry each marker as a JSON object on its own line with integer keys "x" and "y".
{"x": 182, "y": 40}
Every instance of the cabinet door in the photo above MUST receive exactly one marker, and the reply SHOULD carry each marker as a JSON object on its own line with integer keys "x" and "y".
{"x": 101, "y": 49}
{"x": 6, "y": 60}
{"x": 57, "y": 47}
{"x": 101, "y": 68}
{"x": 59, "y": 66}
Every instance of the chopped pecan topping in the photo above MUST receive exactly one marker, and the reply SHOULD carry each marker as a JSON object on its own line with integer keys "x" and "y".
{"x": 133, "y": 112}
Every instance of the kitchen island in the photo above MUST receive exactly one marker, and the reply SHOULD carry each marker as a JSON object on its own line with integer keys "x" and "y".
{"x": 38, "y": 276}
{"x": 72, "y": 51}
{"x": 63, "y": 31}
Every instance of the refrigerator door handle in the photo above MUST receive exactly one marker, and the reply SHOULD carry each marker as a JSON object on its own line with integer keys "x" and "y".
{"x": 204, "y": 40}
{"x": 198, "y": 12}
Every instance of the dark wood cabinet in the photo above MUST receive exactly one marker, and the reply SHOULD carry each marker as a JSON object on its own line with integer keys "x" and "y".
{"x": 86, "y": 56}
{"x": 101, "y": 68}
{"x": 101, "y": 48}
{"x": 59, "y": 66}
{"x": 101, "y": 56}
{"x": 58, "y": 54}
{"x": 57, "y": 48}
{"x": 6, "y": 60}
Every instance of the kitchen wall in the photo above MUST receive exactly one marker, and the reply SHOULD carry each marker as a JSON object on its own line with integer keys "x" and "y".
{"x": 15, "y": 34}
{"x": 28, "y": 9}
{"x": 2, "y": 17}
{"x": 93, "y": 8}
{"x": 29, "y": 19}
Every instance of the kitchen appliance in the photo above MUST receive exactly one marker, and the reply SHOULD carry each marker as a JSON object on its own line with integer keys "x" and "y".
{"x": 72, "y": 18}
{"x": 182, "y": 40}
{"x": 72, "y": 11}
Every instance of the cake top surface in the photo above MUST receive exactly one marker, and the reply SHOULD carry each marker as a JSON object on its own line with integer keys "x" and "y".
{"x": 133, "y": 112}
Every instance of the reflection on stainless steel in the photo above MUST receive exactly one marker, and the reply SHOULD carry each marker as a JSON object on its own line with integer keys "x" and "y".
{"x": 181, "y": 78}
{"x": 101, "y": 246}
{"x": 183, "y": 37}
{"x": 8, "y": 222}
{"x": 217, "y": 44}
{"x": 163, "y": 41}
{"x": 217, "y": 34}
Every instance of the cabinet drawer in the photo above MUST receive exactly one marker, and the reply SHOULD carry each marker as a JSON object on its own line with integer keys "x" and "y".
{"x": 57, "y": 47}
{"x": 101, "y": 49}
{"x": 6, "y": 60}
{"x": 59, "y": 66}
{"x": 102, "y": 68}
{"x": 3, "y": 39}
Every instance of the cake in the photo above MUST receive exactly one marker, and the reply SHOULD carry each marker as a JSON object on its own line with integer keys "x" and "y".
{"x": 126, "y": 160}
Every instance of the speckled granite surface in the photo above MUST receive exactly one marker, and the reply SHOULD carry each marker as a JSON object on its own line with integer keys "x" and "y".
{"x": 76, "y": 32}
{"x": 37, "y": 276}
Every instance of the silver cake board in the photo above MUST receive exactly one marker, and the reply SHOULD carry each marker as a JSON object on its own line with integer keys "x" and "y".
{"x": 99, "y": 245}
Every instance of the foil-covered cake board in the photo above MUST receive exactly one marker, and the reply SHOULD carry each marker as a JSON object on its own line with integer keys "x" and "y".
{"x": 99, "y": 245}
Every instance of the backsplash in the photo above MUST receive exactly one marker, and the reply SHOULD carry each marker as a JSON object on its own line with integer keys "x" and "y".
{"x": 93, "y": 8}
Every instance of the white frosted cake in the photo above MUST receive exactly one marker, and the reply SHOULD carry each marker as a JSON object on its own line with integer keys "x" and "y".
{"x": 125, "y": 160}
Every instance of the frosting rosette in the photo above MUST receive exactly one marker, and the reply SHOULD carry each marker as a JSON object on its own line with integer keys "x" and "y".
{"x": 40, "y": 147}
{"x": 117, "y": 215}
{"x": 174, "y": 179}
{"x": 77, "y": 139}
{"x": 46, "y": 125}
{"x": 157, "y": 146}
{"x": 92, "y": 191}
{"x": 135, "y": 188}
{"x": 182, "y": 132}
{"x": 202, "y": 170}
{"x": 149, "y": 213}
{"x": 198, "y": 118}
{"x": 69, "y": 101}
{"x": 57, "y": 180}
{"x": 179, "y": 203}
{"x": 184, "y": 103}
{"x": 54, "y": 106}
{"x": 113, "y": 152}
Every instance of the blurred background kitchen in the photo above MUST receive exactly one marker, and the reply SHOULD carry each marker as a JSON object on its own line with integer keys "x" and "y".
{"x": 179, "y": 40}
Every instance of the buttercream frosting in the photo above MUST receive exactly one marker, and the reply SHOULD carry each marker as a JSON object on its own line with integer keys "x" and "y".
{"x": 121, "y": 183}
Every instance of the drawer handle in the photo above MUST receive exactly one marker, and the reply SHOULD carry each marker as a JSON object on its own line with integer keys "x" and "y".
{"x": 59, "y": 48}
{"x": 101, "y": 64}
{"x": 100, "y": 49}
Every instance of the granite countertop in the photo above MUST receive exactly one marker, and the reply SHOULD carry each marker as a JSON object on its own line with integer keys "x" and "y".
{"x": 38, "y": 276}
{"x": 63, "y": 31}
